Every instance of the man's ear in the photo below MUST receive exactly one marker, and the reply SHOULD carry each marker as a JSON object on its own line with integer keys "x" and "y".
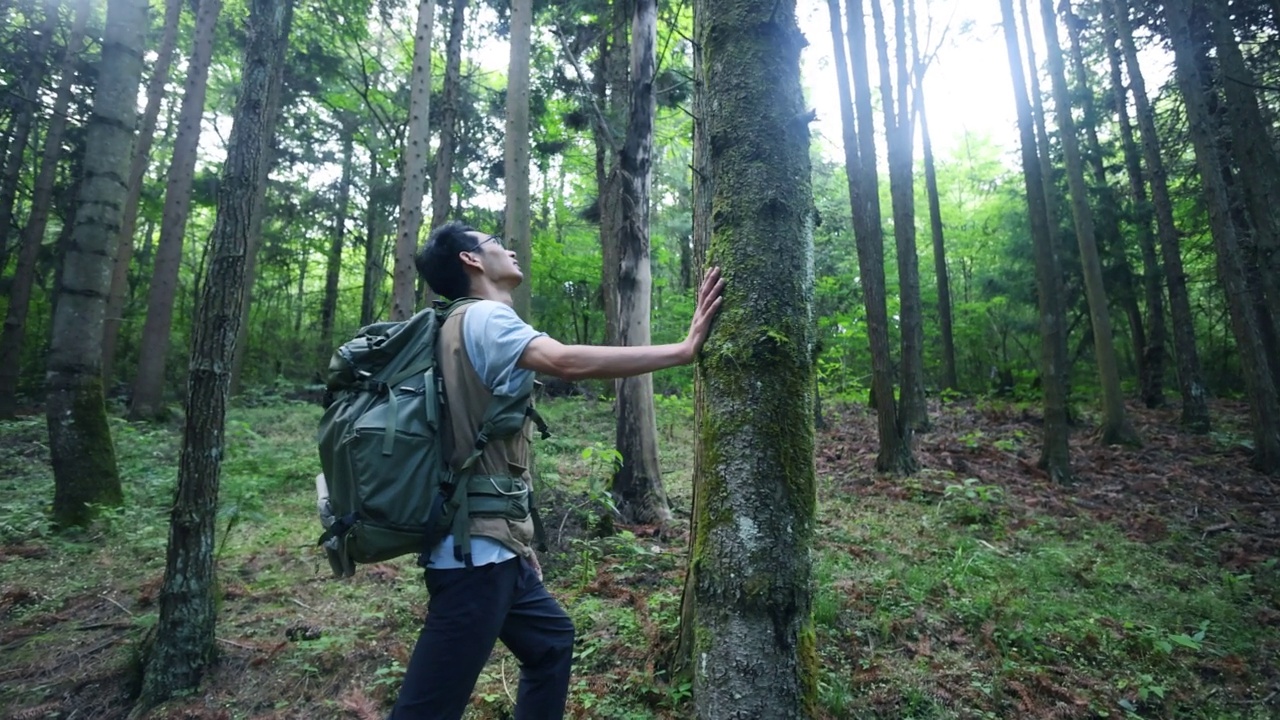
{"x": 469, "y": 259}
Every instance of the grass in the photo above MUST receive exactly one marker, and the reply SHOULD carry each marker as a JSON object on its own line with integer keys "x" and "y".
{"x": 950, "y": 597}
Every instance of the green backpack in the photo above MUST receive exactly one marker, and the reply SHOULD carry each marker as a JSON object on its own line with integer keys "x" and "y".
{"x": 390, "y": 489}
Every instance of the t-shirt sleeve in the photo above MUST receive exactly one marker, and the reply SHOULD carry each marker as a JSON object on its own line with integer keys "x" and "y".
{"x": 496, "y": 337}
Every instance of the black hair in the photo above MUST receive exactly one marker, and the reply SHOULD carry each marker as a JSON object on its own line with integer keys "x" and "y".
{"x": 438, "y": 262}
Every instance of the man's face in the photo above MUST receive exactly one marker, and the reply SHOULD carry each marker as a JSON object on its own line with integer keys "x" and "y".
{"x": 495, "y": 261}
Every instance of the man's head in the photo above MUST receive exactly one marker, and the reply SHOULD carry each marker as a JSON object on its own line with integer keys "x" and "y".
{"x": 458, "y": 261}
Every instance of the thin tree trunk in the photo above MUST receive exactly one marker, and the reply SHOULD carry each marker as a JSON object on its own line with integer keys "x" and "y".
{"x": 1153, "y": 385}
{"x": 1259, "y": 172}
{"x": 442, "y": 187}
{"x": 415, "y": 166}
{"x": 614, "y": 77}
{"x": 1195, "y": 407}
{"x": 1116, "y": 428}
{"x": 637, "y": 486}
{"x": 333, "y": 264}
{"x": 900, "y": 140}
{"x": 516, "y": 151}
{"x": 896, "y": 455}
{"x": 26, "y": 108}
{"x": 1055, "y": 456}
{"x": 83, "y": 457}
{"x": 185, "y": 631}
{"x": 373, "y": 270}
{"x": 24, "y": 276}
{"x": 137, "y": 179}
{"x": 149, "y": 386}
{"x": 751, "y": 626}
{"x": 1244, "y": 323}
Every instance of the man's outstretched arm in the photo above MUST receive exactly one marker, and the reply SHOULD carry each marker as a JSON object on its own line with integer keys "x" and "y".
{"x": 579, "y": 362}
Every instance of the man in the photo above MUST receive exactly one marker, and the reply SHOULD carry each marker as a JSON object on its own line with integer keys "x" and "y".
{"x": 495, "y": 591}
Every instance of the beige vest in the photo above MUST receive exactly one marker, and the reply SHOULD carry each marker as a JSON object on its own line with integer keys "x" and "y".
{"x": 467, "y": 399}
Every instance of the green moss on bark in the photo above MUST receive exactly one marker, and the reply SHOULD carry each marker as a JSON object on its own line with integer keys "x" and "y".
{"x": 83, "y": 455}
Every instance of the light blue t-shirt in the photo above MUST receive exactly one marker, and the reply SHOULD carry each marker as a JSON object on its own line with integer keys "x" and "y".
{"x": 495, "y": 338}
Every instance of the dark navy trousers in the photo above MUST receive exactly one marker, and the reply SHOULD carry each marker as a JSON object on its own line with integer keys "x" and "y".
{"x": 470, "y": 609}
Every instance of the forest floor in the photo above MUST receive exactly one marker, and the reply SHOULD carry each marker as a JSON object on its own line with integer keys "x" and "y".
{"x": 1149, "y": 588}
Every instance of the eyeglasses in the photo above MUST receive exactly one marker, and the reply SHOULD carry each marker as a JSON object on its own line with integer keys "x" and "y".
{"x": 493, "y": 239}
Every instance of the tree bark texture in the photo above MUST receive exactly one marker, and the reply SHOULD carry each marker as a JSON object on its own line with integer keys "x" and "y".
{"x": 1195, "y": 406}
{"x": 149, "y": 385}
{"x": 1116, "y": 428}
{"x": 442, "y": 187}
{"x": 403, "y": 297}
{"x": 1264, "y": 404}
{"x": 896, "y": 455}
{"x": 637, "y": 485}
{"x": 184, "y": 644}
{"x": 83, "y": 457}
{"x": 1055, "y": 456}
{"x": 516, "y": 151}
{"x": 752, "y": 636}
{"x": 26, "y": 108}
{"x": 137, "y": 177}
{"x": 614, "y": 94}
{"x": 900, "y": 142}
{"x": 24, "y": 276}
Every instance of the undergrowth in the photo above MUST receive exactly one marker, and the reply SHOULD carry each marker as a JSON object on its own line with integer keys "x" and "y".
{"x": 949, "y": 599}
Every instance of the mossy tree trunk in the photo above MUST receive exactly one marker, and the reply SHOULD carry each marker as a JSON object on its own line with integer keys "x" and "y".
{"x": 1264, "y": 403}
{"x": 84, "y": 462}
{"x": 1195, "y": 406}
{"x": 1116, "y": 427}
{"x": 414, "y": 181}
{"x": 895, "y": 454}
{"x": 149, "y": 385}
{"x": 138, "y": 165}
{"x": 24, "y": 275}
{"x": 749, "y": 628}
{"x": 637, "y": 485}
{"x": 184, "y": 637}
{"x": 515, "y": 153}
{"x": 1055, "y": 456}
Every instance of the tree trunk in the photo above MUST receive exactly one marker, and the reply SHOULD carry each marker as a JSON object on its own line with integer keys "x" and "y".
{"x": 184, "y": 634}
{"x": 516, "y": 151}
{"x": 1244, "y": 322}
{"x": 1259, "y": 172}
{"x": 750, "y": 628}
{"x": 137, "y": 179}
{"x": 24, "y": 276}
{"x": 442, "y": 187}
{"x": 1150, "y": 378}
{"x": 614, "y": 76}
{"x": 900, "y": 140}
{"x": 374, "y": 269}
{"x": 637, "y": 486}
{"x": 1195, "y": 407}
{"x": 1055, "y": 456}
{"x": 26, "y": 107}
{"x": 1116, "y": 428}
{"x": 84, "y": 462}
{"x": 1153, "y": 383}
{"x": 415, "y": 167}
{"x": 896, "y": 455}
{"x": 333, "y": 264}
{"x": 149, "y": 386}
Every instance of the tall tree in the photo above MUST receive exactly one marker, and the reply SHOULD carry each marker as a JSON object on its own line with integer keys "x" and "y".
{"x": 515, "y": 155}
{"x": 1055, "y": 456}
{"x": 895, "y": 454}
{"x": 415, "y": 166}
{"x": 1116, "y": 427}
{"x": 442, "y": 185}
{"x": 637, "y": 485}
{"x": 900, "y": 142}
{"x": 149, "y": 384}
{"x": 24, "y": 276}
{"x": 83, "y": 457}
{"x": 1264, "y": 404}
{"x": 184, "y": 639}
{"x": 337, "y": 243}
{"x": 1195, "y": 406}
{"x": 27, "y": 107}
{"x": 750, "y": 622}
{"x": 137, "y": 178}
